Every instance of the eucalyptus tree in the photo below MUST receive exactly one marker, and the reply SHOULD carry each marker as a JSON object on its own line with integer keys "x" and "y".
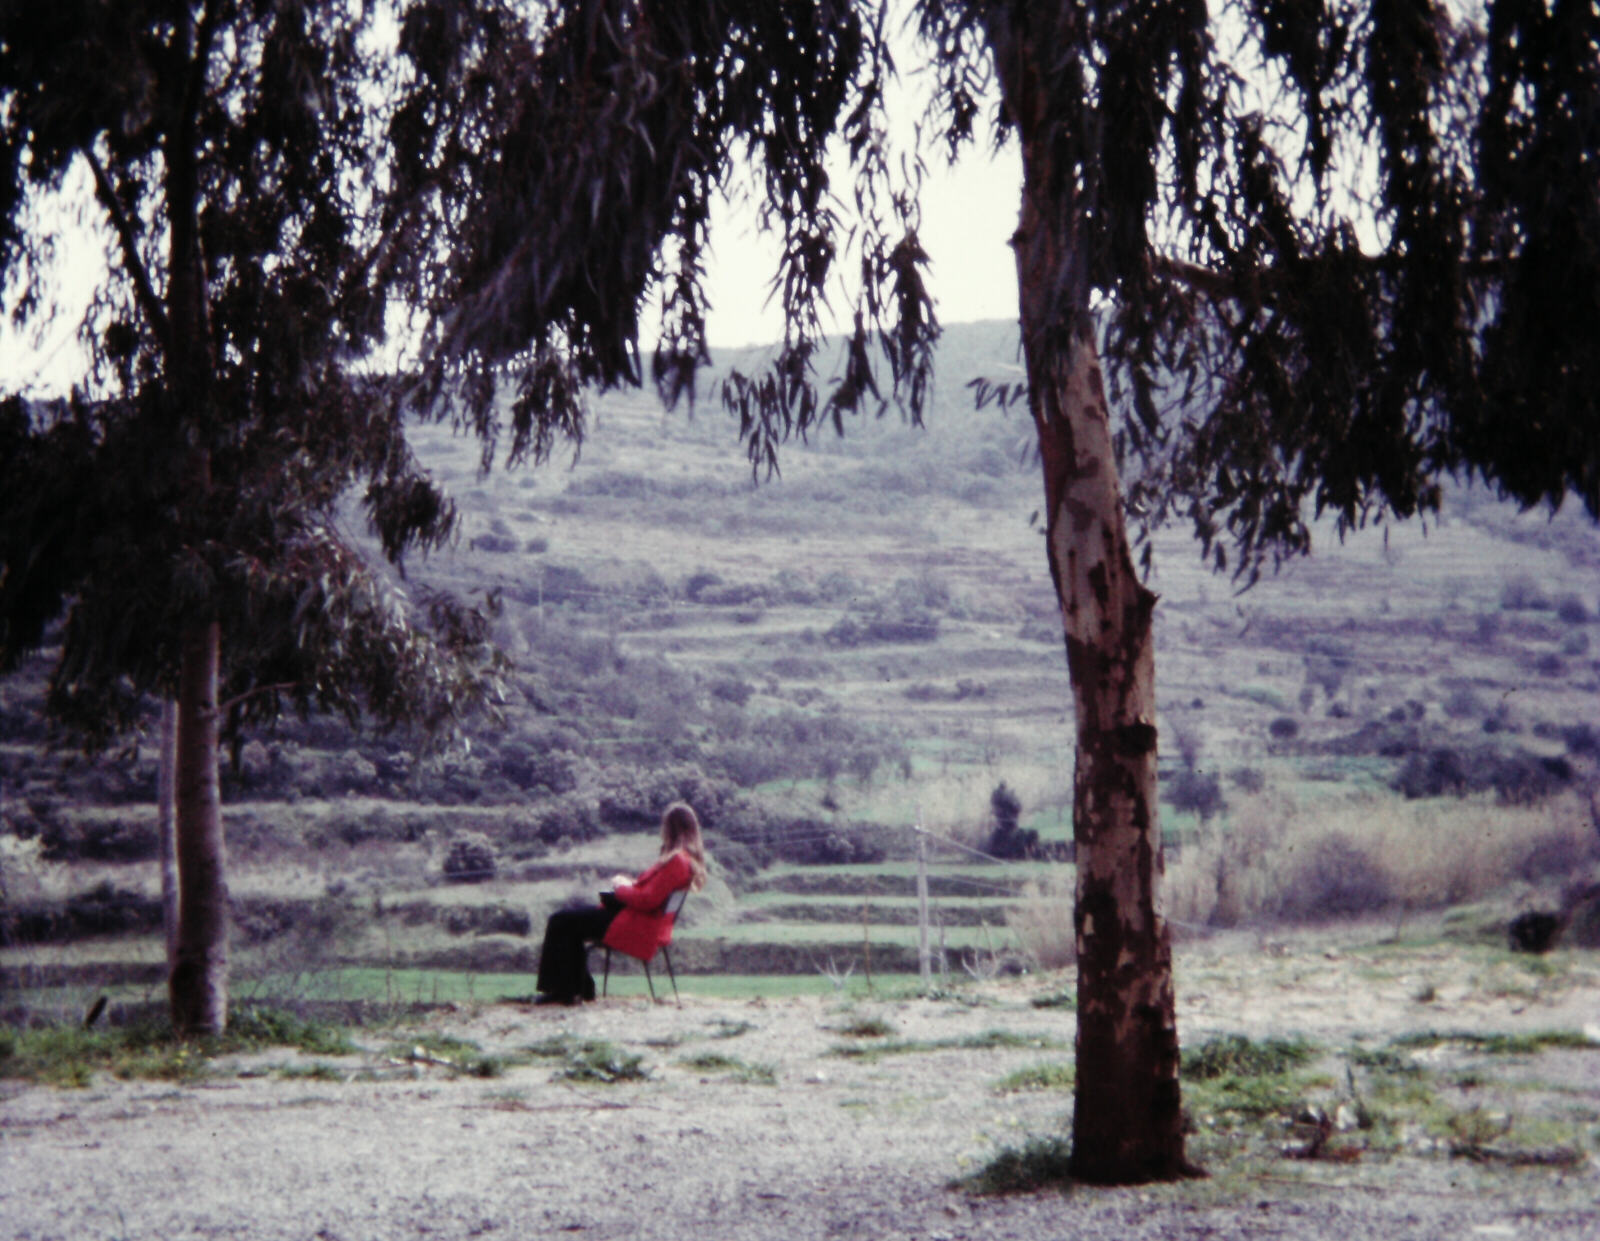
{"x": 1275, "y": 258}
{"x": 179, "y": 513}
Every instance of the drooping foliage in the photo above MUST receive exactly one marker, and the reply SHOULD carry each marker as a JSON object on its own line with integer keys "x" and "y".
{"x": 201, "y": 469}
{"x": 557, "y": 177}
{"x": 1334, "y": 248}
{"x": 1322, "y": 239}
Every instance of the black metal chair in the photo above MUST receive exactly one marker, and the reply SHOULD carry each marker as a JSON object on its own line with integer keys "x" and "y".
{"x": 672, "y": 906}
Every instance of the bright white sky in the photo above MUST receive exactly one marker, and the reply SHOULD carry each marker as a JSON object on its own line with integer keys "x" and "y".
{"x": 968, "y": 215}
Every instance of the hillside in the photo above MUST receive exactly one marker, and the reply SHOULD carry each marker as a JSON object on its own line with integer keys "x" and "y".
{"x": 821, "y": 660}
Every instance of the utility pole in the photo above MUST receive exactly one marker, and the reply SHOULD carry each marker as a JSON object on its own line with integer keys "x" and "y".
{"x": 924, "y": 961}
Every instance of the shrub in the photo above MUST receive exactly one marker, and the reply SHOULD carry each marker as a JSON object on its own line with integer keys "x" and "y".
{"x": 470, "y": 858}
{"x": 1571, "y": 609}
{"x": 1044, "y": 924}
{"x": 1337, "y": 878}
{"x": 530, "y": 766}
{"x": 1581, "y": 739}
{"x": 1433, "y": 774}
{"x": 1550, "y": 664}
{"x": 97, "y": 840}
{"x": 1284, "y": 728}
{"x": 1521, "y": 592}
{"x": 1462, "y": 703}
{"x": 699, "y": 582}
{"x": 572, "y": 819}
{"x": 1247, "y": 779}
{"x": 731, "y": 689}
{"x": 1008, "y": 840}
{"x": 837, "y": 587}
{"x": 1196, "y": 792}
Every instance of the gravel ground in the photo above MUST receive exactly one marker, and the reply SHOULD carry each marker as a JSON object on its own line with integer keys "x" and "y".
{"x": 831, "y": 1147}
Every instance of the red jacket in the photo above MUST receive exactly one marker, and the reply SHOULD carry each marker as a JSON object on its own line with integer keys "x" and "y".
{"x": 640, "y": 929}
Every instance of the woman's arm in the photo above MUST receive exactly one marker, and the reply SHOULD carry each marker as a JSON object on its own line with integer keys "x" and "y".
{"x": 650, "y": 889}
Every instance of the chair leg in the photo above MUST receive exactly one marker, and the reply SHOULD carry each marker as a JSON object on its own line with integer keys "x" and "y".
{"x": 667, "y": 954}
{"x": 651, "y": 982}
{"x": 605, "y": 987}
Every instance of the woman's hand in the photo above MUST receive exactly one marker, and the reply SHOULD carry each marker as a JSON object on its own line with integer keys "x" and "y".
{"x": 621, "y": 881}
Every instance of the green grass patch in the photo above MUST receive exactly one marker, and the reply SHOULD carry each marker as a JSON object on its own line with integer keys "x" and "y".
{"x": 460, "y": 1056}
{"x": 320, "y": 1071}
{"x": 1246, "y": 1077}
{"x": 1250, "y": 1096}
{"x": 590, "y": 1060}
{"x": 255, "y": 1027}
{"x": 1384, "y": 1060}
{"x": 1039, "y": 1163}
{"x": 1047, "y": 1075}
{"x": 69, "y": 1056}
{"x": 1234, "y": 1055}
{"x": 724, "y": 1027}
{"x": 1496, "y": 1044}
{"x": 730, "y": 1067}
{"x": 988, "y": 1040}
{"x": 1067, "y": 999}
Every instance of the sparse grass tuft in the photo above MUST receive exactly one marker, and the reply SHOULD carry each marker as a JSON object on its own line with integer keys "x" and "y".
{"x": 866, "y": 1027}
{"x": 1047, "y": 1075}
{"x": 1526, "y": 1044}
{"x": 731, "y": 1067}
{"x": 590, "y": 1060}
{"x": 458, "y": 1055}
{"x": 1067, "y": 999}
{"x": 1038, "y": 1164}
{"x": 987, "y": 1040}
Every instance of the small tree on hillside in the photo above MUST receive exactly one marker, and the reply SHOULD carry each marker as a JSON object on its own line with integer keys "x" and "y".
{"x": 1317, "y": 253}
{"x": 1008, "y": 840}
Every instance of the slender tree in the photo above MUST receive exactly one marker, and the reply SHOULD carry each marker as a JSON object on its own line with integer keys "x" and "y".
{"x": 1275, "y": 257}
{"x": 181, "y": 510}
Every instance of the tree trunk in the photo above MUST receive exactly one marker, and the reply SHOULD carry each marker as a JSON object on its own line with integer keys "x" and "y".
{"x": 167, "y": 830}
{"x": 198, "y": 985}
{"x": 1127, "y": 1117}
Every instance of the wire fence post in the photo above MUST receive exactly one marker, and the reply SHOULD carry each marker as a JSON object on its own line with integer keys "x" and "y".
{"x": 924, "y": 961}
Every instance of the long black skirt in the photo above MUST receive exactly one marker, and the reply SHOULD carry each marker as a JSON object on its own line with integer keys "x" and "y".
{"x": 564, "y": 957}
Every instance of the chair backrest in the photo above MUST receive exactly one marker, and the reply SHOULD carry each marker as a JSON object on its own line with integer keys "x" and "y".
{"x": 674, "y": 902}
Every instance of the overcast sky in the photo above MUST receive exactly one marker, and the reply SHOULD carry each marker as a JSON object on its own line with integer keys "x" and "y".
{"x": 968, "y": 215}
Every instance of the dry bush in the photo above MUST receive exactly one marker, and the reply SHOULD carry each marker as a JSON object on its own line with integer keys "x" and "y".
{"x": 1277, "y": 859}
{"x": 1043, "y": 923}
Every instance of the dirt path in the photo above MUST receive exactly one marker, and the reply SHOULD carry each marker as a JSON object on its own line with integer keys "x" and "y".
{"x": 833, "y": 1146}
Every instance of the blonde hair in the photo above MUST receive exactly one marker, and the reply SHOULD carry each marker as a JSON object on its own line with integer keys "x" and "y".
{"x": 680, "y": 830}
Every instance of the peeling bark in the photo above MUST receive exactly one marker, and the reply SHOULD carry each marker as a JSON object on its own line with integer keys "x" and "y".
{"x": 1127, "y": 1120}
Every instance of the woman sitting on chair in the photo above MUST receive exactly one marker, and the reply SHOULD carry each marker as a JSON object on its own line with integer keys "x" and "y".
{"x": 629, "y": 917}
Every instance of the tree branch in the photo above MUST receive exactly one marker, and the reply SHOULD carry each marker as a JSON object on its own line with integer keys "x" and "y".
{"x": 148, "y": 300}
{"x": 237, "y": 699}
